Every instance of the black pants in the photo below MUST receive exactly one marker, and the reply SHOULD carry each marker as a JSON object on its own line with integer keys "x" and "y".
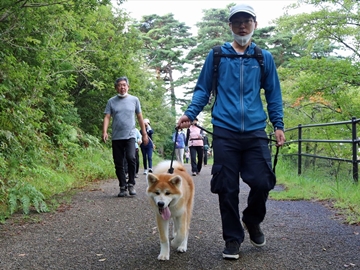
{"x": 196, "y": 164}
{"x": 247, "y": 155}
{"x": 137, "y": 162}
{"x": 124, "y": 149}
{"x": 205, "y": 156}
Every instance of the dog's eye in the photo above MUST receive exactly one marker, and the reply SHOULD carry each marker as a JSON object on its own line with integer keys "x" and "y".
{"x": 167, "y": 193}
{"x": 157, "y": 193}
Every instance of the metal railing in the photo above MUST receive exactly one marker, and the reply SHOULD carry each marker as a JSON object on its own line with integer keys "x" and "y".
{"x": 354, "y": 141}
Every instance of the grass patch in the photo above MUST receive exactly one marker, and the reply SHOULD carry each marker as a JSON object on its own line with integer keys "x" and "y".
{"x": 341, "y": 193}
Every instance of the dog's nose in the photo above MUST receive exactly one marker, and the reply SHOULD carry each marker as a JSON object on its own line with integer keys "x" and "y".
{"x": 161, "y": 204}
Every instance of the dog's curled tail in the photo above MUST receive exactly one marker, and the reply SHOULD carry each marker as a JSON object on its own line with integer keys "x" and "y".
{"x": 164, "y": 166}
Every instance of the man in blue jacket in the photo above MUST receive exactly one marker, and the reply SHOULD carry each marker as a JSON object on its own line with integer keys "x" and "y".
{"x": 240, "y": 143}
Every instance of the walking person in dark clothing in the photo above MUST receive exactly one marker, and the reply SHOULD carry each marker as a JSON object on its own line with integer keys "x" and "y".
{"x": 240, "y": 143}
{"x": 147, "y": 149}
{"x": 206, "y": 147}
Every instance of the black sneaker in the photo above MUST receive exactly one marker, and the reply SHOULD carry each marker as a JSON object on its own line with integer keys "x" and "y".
{"x": 123, "y": 193}
{"x": 257, "y": 237}
{"x": 232, "y": 250}
{"x": 132, "y": 190}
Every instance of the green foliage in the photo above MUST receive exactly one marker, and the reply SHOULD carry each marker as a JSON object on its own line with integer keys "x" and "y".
{"x": 331, "y": 22}
{"x": 322, "y": 84}
{"x": 24, "y": 195}
{"x": 40, "y": 182}
{"x": 213, "y": 30}
{"x": 165, "y": 40}
{"x": 55, "y": 64}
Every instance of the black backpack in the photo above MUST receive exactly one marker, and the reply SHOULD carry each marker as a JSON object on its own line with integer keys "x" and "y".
{"x": 217, "y": 54}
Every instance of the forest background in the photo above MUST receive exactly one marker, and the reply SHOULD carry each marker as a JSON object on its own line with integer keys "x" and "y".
{"x": 59, "y": 61}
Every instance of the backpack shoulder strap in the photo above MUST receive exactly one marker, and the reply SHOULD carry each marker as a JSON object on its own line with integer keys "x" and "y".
{"x": 216, "y": 62}
{"x": 260, "y": 58}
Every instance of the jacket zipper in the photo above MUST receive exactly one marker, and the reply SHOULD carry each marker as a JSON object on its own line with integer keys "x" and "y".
{"x": 241, "y": 95}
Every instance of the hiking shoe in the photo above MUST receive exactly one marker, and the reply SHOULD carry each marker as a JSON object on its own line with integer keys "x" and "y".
{"x": 145, "y": 171}
{"x": 194, "y": 174}
{"x": 136, "y": 175}
{"x": 150, "y": 170}
{"x": 231, "y": 250}
{"x": 123, "y": 193}
{"x": 257, "y": 237}
{"x": 132, "y": 190}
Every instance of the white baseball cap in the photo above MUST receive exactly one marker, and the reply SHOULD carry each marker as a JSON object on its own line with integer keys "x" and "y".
{"x": 242, "y": 8}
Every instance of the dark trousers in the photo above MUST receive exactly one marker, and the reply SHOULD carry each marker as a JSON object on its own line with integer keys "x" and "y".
{"x": 147, "y": 156}
{"x": 234, "y": 155}
{"x": 205, "y": 157}
{"x": 137, "y": 162}
{"x": 124, "y": 149}
{"x": 196, "y": 164}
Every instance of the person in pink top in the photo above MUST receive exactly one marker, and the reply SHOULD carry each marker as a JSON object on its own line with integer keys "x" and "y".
{"x": 194, "y": 139}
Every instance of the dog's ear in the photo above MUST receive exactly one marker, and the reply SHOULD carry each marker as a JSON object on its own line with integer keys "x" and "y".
{"x": 176, "y": 181}
{"x": 151, "y": 179}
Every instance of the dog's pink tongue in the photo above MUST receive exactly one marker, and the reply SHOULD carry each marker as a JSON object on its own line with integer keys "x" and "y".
{"x": 165, "y": 213}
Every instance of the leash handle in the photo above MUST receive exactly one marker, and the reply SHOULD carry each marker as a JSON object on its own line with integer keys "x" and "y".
{"x": 276, "y": 158}
{"x": 171, "y": 169}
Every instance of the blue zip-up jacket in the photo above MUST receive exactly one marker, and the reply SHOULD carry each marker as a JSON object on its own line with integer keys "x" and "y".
{"x": 238, "y": 106}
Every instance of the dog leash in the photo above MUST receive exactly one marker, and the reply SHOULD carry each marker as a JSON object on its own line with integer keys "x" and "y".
{"x": 171, "y": 169}
{"x": 277, "y": 147}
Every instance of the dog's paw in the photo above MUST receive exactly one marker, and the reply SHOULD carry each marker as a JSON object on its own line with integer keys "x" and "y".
{"x": 163, "y": 257}
{"x": 181, "y": 249}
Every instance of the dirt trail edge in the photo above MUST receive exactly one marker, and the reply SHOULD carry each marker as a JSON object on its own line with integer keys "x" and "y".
{"x": 101, "y": 231}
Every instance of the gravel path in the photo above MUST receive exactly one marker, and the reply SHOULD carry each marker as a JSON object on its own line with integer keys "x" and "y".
{"x": 98, "y": 230}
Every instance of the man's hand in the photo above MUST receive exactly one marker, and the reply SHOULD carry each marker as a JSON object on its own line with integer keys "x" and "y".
{"x": 184, "y": 122}
{"x": 280, "y": 137}
{"x": 105, "y": 136}
{"x": 145, "y": 139}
